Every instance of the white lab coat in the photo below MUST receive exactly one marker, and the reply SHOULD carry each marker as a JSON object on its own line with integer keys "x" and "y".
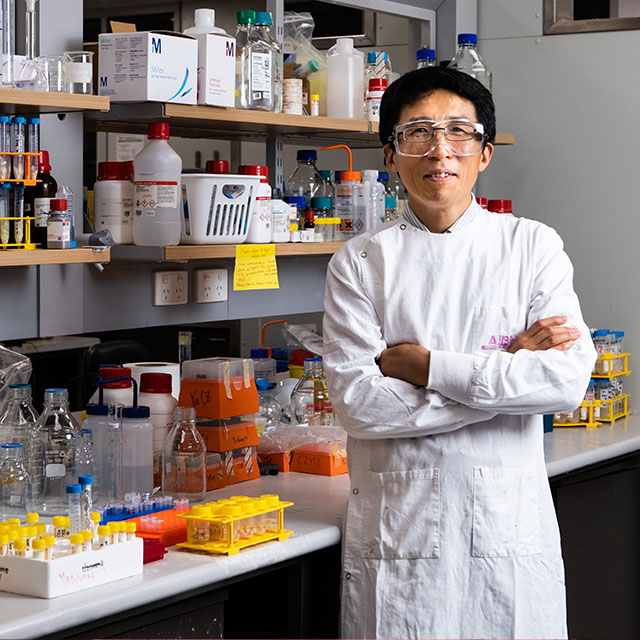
{"x": 450, "y": 529}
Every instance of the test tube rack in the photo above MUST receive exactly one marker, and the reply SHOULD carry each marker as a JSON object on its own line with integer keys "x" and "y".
{"x": 227, "y": 535}
{"x": 27, "y": 244}
{"x": 623, "y": 399}
{"x": 26, "y": 181}
{"x": 610, "y": 365}
{"x": 590, "y": 422}
{"x": 164, "y": 526}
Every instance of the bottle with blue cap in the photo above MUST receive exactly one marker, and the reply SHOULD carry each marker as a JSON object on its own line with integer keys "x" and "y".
{"x": 305, "y": 179}
{"x": 14, "y": 481}
{"x": 268, "y": 417}
{"x": 61, "y": 439}
{"x": 263, "y": 366}
{"x": 426, "y": 58}
{"x": 468, "y": 60}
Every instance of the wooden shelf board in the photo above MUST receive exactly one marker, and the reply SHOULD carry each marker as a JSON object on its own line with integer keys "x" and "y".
{"x": 19, "y": 258}
{"x": 27, "y": 102}
{"x": 201, "y": 252}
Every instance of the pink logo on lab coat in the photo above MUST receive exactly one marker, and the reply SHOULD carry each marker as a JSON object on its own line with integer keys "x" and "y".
{"x": 499, "y": 342}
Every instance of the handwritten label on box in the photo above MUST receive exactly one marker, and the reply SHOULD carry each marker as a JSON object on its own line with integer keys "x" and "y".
{"x": 255, "y": 267}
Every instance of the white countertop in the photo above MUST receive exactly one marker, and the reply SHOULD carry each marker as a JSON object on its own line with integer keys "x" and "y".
{"x": 315, "y": 518}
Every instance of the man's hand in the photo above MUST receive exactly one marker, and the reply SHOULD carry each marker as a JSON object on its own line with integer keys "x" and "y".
{"x": 408, "y": 362}
{"x": 546, "y": 333}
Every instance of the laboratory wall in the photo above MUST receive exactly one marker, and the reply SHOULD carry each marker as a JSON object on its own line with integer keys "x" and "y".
{"x": 572, "y": 103}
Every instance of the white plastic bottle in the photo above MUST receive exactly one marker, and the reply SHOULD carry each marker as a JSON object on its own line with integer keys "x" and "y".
{"x": 345, "y": 80}
{"x": 280, "y": 215}
{"x": 113, "y": 201}
{"x": 120, "y": 391}
{"x": 373, "y": 193}
{"x": 260, "y": 218}
{"x": 155, "y": 393}
{"x": 137, "y": 450}
{"x": 375, "y": 91}
{"x": 157, "y": 205}
{"x": 468, "y": 60}
{"x": 205, "y": 22}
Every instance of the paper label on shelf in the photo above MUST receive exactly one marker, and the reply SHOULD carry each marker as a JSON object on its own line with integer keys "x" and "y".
{"x": 55, "y": 470}
{"x": 152, "y": 195}
{"x": 255, "y": 267}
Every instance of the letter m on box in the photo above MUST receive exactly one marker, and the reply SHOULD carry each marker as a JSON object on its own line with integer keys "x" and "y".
{"x": 156, "y": 45}
{"x": 230, "y": 50}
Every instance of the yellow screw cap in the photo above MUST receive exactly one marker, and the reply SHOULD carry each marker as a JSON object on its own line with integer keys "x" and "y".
{"x": 38, "y": 543}
{"x": 41, "y": 528}
{"x": 86, "y": 534}
{"x": 103, "y": 530}
{"x": 50, "y": 540}
{"x": 131, "y": 527}
{"x": 32, "y": 531}
{"x": 58, "y": 521}
{"x": 20, "y": 544}
{"x": 95, "y": 516}
{"x": 76, "y": 538}
{"x": 4, "y": 539}
{"x": 201, "y": 511}
{"x": 32, "y": 518}
{"x": 14, "y": 521}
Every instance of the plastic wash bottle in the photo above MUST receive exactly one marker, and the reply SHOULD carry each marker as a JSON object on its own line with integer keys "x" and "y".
{"x": 349, "y": 202}
{"x": 156, "y": 220}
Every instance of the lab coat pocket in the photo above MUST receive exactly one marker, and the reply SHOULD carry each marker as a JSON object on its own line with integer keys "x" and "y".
{"x": 402, "y": 515}
{"x": 506, "y": 519}
{"x": 495, "y": 328}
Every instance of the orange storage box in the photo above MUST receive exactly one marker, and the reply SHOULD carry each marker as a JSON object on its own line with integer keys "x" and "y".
{"x": 324, "y": 458}
{"x": 282, "y": 459}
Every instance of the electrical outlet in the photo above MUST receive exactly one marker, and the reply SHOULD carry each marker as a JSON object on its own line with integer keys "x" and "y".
{"x": 211, "y": 285}
{"x": 170, "y": 287}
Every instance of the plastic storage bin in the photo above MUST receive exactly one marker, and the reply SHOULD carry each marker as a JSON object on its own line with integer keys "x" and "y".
{"x": 217, "y": 208}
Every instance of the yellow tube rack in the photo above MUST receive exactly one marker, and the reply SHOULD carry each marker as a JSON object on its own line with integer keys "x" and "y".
{"x": 590, "y": 422}
{"x": 604, "y": 368}
{"x": 27, "y": 244}
{"x": 229, "y": 525}
{"x": 621, "y": 414}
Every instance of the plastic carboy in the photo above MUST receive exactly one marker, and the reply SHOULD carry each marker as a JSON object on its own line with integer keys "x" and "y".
{"x": 184, "y": 457}
{"x": 157, "y": 204}
{"x": 345, "y": 80}
{"x": 305, "y": 179}
{"x": 468, "y": 60}
{"x": 246, "y": 20}
{"x": 15, "y": 485}
{"x": 61, "y": 440}
{"x": 310, "y": 403}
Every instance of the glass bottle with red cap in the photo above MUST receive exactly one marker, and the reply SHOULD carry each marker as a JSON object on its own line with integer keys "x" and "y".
{"x": 260, "y": 215}
{"x": 501, "y": 206}
{"x": 113, "y": 201}
{"x": 157, "y": 201}
{"x": 59, "y": 226}
{"x": 38, "y": 198}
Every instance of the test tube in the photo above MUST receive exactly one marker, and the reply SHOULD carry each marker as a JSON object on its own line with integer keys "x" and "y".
{"x": 58, "y": 526}
{"x": 17, "y": 135}
{"x": 76, "y": 540}
{"x": 33, "y": 145}
{"x": 86, "y": 499}
{"x": 38, "y": 548}
{"x": 95, "y": 522}
{"x": 50, "y": 541}
{"x": 5, "y": 225}
{"x": 20, "y": 548}
{"x": 87, "y": 540}
{"x": 104, "y": 536}
{"x": 5, "y": 146}
{"x": 75, "y": 513}
{"x": 131, "y": 531}
{"x": 4, "y": 544}
{"x": 18, "y": 212}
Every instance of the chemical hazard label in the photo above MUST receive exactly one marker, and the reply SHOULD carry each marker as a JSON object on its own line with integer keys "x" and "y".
{"x": 155, "y": 195}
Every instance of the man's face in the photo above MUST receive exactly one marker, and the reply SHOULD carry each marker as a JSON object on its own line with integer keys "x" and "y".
{"x": 440, "y": 180}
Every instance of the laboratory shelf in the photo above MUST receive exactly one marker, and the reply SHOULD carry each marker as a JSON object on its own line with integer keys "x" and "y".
{"x": 22, "y": 101}
{"x": 20, "y": 258}
{"x": 196, "y": 121}
{"x": 181, "y": 253}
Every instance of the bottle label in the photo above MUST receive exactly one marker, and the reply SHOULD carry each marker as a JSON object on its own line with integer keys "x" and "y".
{"x": 345, "y": 203}
{"x": 260, "y": 75}
{"x": 59, "y": 231}
{"x": 152, "y": 195}
{"x": 53, "y": 470}
{"x": 41, "y": 207}
{"x": 110, "y": 211}
{"x": 280, "y": 222}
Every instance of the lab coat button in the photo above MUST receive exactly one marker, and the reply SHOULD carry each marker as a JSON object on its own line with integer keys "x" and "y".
{"x": 363, "y": 254}
{"x": 347, "y": 576}
{"x": 356, "y": 492}
{"x": 403, "y": 226}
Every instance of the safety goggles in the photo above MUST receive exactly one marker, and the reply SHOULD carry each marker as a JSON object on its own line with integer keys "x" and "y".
{"x": 418, "y": 138}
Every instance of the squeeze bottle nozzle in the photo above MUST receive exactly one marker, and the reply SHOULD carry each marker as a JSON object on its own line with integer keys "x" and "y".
{"x": 350, "y": 175}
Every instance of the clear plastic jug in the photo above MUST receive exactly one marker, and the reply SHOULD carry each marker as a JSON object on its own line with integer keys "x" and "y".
{"x": 468, "y": 60}
{"x": 14, "y": 482}
{"x": 345, "y": 81}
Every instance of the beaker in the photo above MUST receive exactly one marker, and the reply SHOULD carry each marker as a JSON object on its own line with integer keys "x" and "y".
{"x": 53, "y": 68}
{"x": 78, "y": 71}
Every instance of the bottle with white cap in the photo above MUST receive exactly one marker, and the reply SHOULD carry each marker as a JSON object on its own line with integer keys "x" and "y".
{"x": 157, "y": 201}
{"x": 373, "y": 193}
{"x": 205, "y": 22}
{"x": 345, "y": 80}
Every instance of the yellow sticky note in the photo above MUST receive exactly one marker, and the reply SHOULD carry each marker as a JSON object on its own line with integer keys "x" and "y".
{"x": 256, "y": 267}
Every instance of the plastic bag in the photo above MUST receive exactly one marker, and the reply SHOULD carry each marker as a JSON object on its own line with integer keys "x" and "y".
{"x": 15, "y": 368}
{"x": 286, "y": 439}
{"x": 303, "y": 335}
{"x": 297, "y": 32}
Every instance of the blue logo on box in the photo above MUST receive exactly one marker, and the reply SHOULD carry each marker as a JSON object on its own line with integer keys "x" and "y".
{"x": 103, "y": 81}
{"x": 156, "y": 45}
{"x": 182, "y": 86}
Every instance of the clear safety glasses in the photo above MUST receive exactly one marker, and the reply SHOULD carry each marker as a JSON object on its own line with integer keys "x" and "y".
{"x": 418, "y": 138}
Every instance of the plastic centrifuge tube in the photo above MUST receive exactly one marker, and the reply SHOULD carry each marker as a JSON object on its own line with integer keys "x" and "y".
{"x": 33, "y": 145}
{"x": 20, "y": 548}
{"x": 5, "y": 147}
{"x": 38, "y": 547}
{"x": 50, "y": 541}
{"x": 87, "y": 538}
{"x": 18, "y": 212}
{"x": 77, "y": 541}
{"x": 17, "y": 137}
{"x": 86, "y": 500}
{"x": 75, "y": 511}
{"x": 131, "y": 531}
{"x": 4, "y": 544}
{"x": 5, "y": 225}
{"x": 104, "y": 536}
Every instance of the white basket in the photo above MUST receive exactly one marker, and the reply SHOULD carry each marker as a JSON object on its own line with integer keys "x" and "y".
{"x": 217, "y": 208}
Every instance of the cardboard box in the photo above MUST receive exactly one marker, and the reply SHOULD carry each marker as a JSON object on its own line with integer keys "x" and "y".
{"x": 148, "y": 65}
{"x": 216, "y": 70}
{"x": 61, "y": 576}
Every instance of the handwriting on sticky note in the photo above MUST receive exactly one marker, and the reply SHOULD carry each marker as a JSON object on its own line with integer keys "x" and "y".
{"x": 255, "y": 268}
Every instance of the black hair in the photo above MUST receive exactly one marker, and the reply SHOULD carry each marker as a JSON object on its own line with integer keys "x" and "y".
{"x": 412, "y": 86}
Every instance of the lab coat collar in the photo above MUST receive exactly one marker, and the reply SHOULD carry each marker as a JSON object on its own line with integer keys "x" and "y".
{"x": 470, "y": 214}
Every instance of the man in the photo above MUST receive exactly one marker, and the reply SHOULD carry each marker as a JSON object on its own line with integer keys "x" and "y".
{"x": 447, "y": 333}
